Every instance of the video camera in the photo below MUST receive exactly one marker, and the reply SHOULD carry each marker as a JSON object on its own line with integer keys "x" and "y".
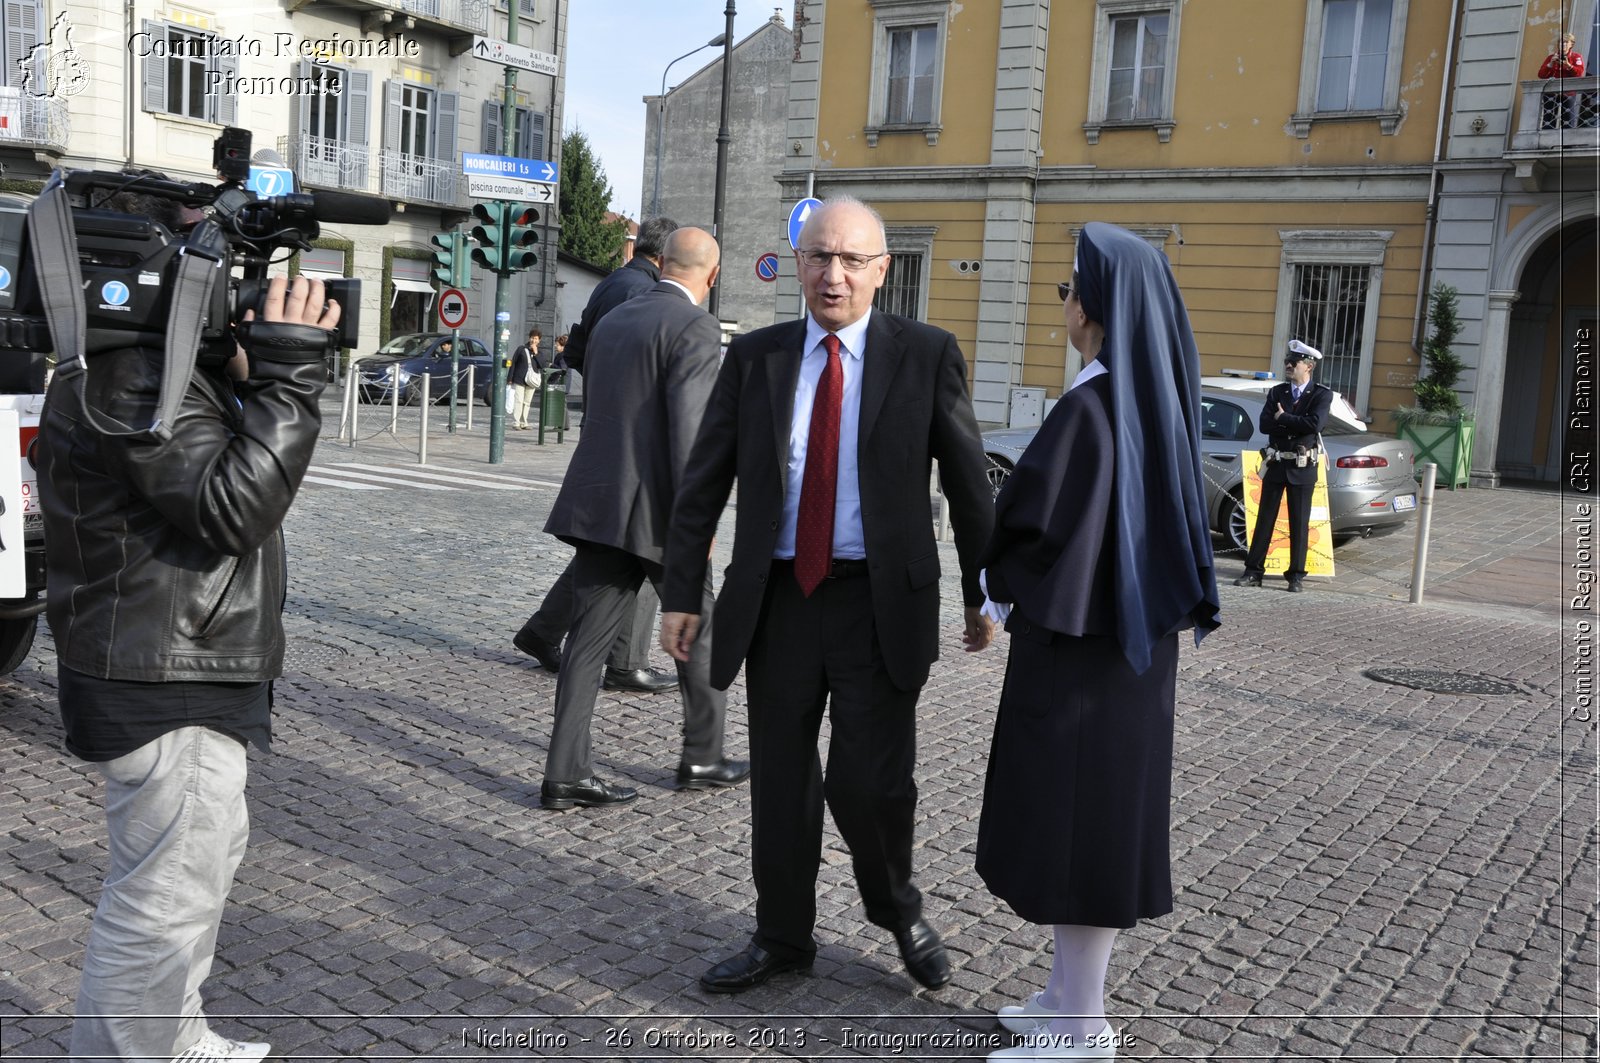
{"x": 129, "y": 261}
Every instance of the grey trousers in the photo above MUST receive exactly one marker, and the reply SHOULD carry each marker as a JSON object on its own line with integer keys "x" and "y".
{"x": 605, "y": 580}
{"x": 631, "y": 649}
{"x": 177, "y": 823}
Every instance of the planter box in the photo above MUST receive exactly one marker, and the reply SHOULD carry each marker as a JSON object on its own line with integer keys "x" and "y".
{"x": 1447, "y": 445}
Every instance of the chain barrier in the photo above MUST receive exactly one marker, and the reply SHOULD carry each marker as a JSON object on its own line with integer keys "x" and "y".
{"x": 349, "y": 431}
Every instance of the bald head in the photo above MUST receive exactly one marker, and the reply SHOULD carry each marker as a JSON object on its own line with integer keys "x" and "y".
{"x": 691, "y": 257}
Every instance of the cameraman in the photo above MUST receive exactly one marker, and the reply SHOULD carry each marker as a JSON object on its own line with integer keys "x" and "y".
{"x": 1292, "y": 420}
{"x": 166, "y": 588}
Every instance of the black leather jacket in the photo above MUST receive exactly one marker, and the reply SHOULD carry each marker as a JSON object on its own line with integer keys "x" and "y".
{"x": 166, "y": 560}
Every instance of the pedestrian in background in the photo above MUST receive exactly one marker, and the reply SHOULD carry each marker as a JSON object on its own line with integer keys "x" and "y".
{"x": 1101, "y": 555}
{"x": 526, "y": 376}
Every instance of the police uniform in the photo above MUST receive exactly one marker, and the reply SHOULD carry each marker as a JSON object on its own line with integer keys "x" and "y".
{"x": 1300, "y": 426}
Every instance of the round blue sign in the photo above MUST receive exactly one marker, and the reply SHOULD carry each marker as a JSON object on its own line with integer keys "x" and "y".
{"x": 767, "y": 267}
{"x": 797, "y": 217}
{"x": 5, "y": 278}
{"x": 114, "y": 292}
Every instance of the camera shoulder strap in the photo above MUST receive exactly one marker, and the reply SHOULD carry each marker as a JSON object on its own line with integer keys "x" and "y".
{"x": 55, "y": 259}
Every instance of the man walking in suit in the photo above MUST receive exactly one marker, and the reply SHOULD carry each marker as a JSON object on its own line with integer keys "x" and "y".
{"x": 658, "y": 355}
{"x": 628, "y": 667}
{"x": 831, "y": 425}
{"x": 1292, "y": 418}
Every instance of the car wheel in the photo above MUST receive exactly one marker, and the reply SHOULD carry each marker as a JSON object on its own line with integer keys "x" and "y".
{"x": 1234, "y": 528}
{"x": 998, "y": 471}
{"x": 16, "y": 639}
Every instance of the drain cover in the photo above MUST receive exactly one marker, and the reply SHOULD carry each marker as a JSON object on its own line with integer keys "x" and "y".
{"x": 1442, "y": 682}
{"x": 301, "y": 654}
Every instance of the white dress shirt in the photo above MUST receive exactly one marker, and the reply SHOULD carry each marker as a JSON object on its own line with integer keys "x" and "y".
{"x": 848, "y": 541}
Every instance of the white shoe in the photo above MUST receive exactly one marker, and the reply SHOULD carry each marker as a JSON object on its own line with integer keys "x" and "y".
{"x": 214, "y": 1048}
{"x": 1027, "y": 1016}
{"x": 1042, "y": 1044}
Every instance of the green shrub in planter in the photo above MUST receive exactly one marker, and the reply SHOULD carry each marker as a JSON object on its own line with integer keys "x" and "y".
{"x": 1437, "y": 425}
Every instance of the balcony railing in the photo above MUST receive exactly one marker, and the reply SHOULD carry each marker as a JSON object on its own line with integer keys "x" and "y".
{"x": 324, "y": 163}
{"x": 39, "y": 122}
{"x": 1559, "y": 114}
{"x": 470, "y": 16}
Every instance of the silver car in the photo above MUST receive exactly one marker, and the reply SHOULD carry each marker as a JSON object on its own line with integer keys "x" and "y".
{"x": 1371, "y": 487}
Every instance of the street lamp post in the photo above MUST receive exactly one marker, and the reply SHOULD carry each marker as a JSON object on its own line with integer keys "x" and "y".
{"x": 724, "y": 138}
{"x": 661, "y": 117}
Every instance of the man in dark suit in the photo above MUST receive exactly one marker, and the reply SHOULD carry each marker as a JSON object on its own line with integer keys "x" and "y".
{"x": 628, "y": 667}
{"x": 658, "y": 353}
{"x": 1292, "y": 419}
{"x": 831, "y": 425}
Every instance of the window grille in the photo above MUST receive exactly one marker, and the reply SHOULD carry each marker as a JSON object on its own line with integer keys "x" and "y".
{"x": 902, "y": 288}
{"x": 1329, "y": 312}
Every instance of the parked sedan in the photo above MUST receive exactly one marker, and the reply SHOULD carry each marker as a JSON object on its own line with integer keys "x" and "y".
{"x": 405, "y": 361}
{"x": 1371, "y": 487}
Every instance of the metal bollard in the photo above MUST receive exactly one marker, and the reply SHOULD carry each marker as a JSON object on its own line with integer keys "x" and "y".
{"x": 422, "y": 432}
{"x": 347, "y": 408}
{"x": 394, "y": 398}
{"x": 472, "y": 389}
{"x": 1419, "y": 567}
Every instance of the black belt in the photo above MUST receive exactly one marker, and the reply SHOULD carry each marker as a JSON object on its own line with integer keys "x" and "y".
{"x": 841, "y": 567}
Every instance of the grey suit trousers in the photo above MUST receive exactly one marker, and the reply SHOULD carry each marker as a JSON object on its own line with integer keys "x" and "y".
{"x": 604, "y": 583}
{"x": 631, "y": 650}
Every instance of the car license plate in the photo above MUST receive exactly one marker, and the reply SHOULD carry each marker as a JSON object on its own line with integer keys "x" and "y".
{"x": 1404, "y": 502}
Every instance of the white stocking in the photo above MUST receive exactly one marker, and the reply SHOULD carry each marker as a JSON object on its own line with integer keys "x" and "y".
{"x": 1077, "y": 986}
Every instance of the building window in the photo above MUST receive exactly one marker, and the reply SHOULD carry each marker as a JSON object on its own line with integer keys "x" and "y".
{"x": 907, "y": 67}
{"x": 1328, "y": 289}
{"x": 530, "y": 141}
{"x": 905, "y": 286}
{"x": 419, "y": 142}
{"x": 1138, "y": 67}
{"x": 330, "y": 146}
{"x": 1132, "y": 76}
{"x": 1350, "y": 63}
{"x": 24, "y": 22}
{"x": 186, "y": 72}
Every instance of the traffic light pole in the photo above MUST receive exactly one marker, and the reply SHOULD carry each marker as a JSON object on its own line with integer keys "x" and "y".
{"x": 502, "y": 281}
{"x": 458, "y": 260}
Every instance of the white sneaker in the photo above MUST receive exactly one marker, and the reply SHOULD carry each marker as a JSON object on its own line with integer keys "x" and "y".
{"x": 1027, "y": 1016}
{"x": 1040, "y": 1043}
{"x": 214, "y": 1048}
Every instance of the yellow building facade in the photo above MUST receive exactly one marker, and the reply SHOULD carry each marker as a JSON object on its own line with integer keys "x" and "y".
{"x": 1288, "y": 156}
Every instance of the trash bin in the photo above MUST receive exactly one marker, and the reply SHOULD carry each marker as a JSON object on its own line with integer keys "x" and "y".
{"x": 553, "y": 409}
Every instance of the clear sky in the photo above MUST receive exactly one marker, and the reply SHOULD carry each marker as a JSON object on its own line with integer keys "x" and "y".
{"x": 616, "y": 52}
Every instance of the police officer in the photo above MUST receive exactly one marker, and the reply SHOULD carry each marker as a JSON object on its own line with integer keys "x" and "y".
{"x": 1292, "y": 421}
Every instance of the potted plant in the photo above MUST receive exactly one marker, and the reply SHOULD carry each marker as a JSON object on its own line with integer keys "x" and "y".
{"x": 1437, "y": 426}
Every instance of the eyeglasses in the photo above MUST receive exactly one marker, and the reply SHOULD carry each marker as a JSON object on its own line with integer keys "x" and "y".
{"x": 1064, "y": 290}
{"x": 850, "y": 260}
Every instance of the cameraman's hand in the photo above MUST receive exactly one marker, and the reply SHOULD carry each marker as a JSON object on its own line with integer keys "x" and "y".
{"x": 304, "y": 302}
{"x": 297, "y": 323}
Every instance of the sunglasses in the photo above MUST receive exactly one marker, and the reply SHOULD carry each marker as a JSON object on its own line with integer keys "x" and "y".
{"x": 1063, "y": 289}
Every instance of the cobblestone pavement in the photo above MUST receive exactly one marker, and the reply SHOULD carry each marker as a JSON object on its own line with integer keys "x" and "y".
{"x": 1364, "y": 870}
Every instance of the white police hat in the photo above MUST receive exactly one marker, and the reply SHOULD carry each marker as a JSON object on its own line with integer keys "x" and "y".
{"x": 1304, "y": 351}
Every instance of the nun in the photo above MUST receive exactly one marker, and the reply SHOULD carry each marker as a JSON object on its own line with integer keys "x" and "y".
{"x": 1101, "y": 556}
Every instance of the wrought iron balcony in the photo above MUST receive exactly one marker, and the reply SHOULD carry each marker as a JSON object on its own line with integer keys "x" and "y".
{"x": 324, "y": 163}
{"x": 37, "y": 122}
{"x": 448, "y": 17}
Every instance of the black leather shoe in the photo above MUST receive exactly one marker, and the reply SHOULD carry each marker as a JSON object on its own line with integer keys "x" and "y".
{"x": 724, "y": 772}
{"x": 926, "y": 960}
{"x": 1295, "y": 586}
{"x": 1249, "y": 579}
{"x": 749, "y": 969}
{"x": 592, "y": 792}
{"x": 644, "y": 680}
{"x": 548, "y": 656}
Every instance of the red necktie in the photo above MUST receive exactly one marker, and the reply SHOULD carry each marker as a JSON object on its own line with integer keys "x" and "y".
{"x": 813, "y": 533}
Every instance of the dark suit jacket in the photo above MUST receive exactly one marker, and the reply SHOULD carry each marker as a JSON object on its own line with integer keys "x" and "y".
{"x": 914, "y": 410}
{"x": 1300, "y": 426}
{"x": 658, "y": 354}
{"x": 634, "y": 277}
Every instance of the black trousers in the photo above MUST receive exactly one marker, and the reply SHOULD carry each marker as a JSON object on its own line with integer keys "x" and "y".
{"x": 631, "y": 650}
{"x": 604, "y": 583}
{"x": 809, "y": 654}
{"x": 1272, "y": 492}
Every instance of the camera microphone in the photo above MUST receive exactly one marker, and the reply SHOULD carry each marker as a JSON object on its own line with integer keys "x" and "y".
{"x": 348, "y": 208}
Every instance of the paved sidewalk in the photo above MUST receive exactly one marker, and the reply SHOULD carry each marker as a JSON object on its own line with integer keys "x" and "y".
{"x": 1364, "y": 870}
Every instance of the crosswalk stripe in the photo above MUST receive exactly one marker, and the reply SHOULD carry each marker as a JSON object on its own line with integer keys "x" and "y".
{"x": 390, "y": 480}
{"x": 476, "y": 479}
{"x": 342, "y": 483}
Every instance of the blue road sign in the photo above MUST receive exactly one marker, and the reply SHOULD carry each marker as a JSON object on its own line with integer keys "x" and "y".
{"x": 767, "y": 267}
{"x": 270, "y": 180}
{"x": 797, "y": 217}
{"x": 5, "y": 278}
{"x": 476, "y": 164}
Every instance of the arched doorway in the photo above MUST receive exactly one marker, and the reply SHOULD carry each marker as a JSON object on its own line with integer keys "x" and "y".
{"x": 1546, "y": 369}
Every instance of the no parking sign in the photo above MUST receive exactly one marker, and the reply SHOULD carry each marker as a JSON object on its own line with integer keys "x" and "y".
{"x": 767, "y": 267}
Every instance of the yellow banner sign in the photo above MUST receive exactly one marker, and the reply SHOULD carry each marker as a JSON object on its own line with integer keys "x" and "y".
{"x": 1319, "y": 537}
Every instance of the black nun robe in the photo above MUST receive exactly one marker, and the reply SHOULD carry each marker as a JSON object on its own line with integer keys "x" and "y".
{"x": 1102, "y": 549}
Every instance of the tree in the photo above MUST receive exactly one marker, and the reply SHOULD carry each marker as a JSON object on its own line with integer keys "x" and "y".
{"x": 1436, "y": 392}
{"x": 585, "y": 199}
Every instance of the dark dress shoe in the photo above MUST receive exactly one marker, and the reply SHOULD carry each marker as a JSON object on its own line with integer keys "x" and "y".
{"x": 749, "y": 969}
{"x": 1249, "y": 579}
{"x": 548, "y": 656}
{"x": 1295, "y": 586}
{"x": 644, "y": 680}
{"x": 724, "y": 772}
{"x": 592, "y": 792}
{"x": 926, "y": 960}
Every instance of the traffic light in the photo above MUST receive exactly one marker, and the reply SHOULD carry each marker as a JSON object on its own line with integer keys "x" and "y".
{"x": 520, "y": 236}
{"x": 489, "y": 235}
{"x": 450, "y": 265}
